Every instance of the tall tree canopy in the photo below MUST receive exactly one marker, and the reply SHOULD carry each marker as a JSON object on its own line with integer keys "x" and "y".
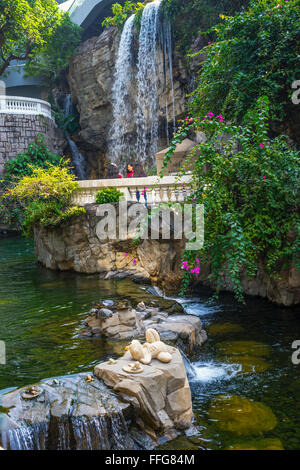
{"x": 38, "y": 32}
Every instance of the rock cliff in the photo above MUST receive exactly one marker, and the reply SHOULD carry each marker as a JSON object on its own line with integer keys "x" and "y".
{"x": 76, "y": 246}
{"x": 90, "y": 78}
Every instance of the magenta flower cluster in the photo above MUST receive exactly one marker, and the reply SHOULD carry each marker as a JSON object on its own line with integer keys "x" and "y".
{"x": 192, "y": 270}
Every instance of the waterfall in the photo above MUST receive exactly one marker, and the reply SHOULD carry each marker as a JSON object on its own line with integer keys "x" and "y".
{"x": 26, "y": 438}
{"x": 71, "y": 433}
{"x": 122, "y": 108}
{"x": 166, "y": 45}
{"x": 147, "y": 78}
{"x": 77, "y": 157}
{"x": 139, "y": 111}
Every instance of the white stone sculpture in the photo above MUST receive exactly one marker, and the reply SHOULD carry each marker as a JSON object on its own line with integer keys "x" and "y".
{"x": 152, "y": 349}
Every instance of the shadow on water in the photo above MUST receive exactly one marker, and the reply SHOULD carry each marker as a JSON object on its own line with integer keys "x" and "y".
{"x": 246, "y": 360}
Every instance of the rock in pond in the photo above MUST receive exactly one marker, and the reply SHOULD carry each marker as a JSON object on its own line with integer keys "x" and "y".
{"x": 111, "y": 410}
{"x": 160, "y": 394}
{"x": 122, "y": 322}
{"x": 69, "y": 414}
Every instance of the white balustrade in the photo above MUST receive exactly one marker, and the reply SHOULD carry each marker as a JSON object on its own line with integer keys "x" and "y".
{"x": 22, "y": 105}
{"x": 158, "y": 190}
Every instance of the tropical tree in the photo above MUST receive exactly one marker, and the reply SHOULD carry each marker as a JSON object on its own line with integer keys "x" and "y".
{"x": 38, "y": 32}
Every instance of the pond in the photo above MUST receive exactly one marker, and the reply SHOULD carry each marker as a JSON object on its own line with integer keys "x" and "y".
{"x": 246, "y": 390}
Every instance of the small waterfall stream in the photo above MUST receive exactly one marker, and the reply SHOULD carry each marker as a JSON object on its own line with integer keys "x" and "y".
{"x": 76, "y": 433}
{"x": 77, "y": 157}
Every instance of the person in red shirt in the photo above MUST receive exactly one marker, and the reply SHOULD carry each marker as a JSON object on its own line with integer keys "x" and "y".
{"x": 130, "y": 171}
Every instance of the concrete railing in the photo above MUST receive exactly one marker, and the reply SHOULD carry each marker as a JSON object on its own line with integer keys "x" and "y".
{"x": 20, "y": 105}
{"x": 158, "y": 190}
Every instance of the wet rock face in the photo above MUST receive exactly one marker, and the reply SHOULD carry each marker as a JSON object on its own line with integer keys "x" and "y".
{"x": 69, "y": 414}
{"x": 76, "y": 246}
{"x": 160, "y": 394}
{"x": 91, "y": 75}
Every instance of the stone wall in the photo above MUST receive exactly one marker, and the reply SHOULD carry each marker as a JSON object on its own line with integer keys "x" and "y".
{"x": 18, "y": 130}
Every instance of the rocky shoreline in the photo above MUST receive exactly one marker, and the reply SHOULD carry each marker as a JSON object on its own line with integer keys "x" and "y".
{"x": 119, "y": 321}
{"x": 75, "y": 246}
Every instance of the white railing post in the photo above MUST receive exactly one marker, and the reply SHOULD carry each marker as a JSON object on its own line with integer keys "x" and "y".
{"x": 22, "y": 105}
{"x": 158, "y": 190}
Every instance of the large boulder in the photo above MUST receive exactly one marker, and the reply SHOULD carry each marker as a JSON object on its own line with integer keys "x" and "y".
{"x": 70, "y": 413}
{"x": 184, "y": 331}
{"x": 91, "y": 74}
{"x": 160, "y": 394}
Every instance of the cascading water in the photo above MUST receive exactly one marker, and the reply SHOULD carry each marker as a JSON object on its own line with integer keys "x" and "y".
{"x": 142, "y": 108}
{"x": 122, "y": 108}
{"x": 147, "y": 77}
{"x": 77, "y": 433}
{"x": 166, "y": 45}
{"x": 77, "y": 157}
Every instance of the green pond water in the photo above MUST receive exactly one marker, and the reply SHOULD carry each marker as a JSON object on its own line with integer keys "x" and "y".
{"x": 246, "y": 390}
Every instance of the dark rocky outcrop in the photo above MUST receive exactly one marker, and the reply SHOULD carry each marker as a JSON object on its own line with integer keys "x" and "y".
{"x": 70, "y": 413}
{"x": 75, "y": 246}
{"x": 80, "y": 412}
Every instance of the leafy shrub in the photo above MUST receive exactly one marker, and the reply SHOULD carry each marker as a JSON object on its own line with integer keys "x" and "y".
{"x": 251, "y": 196}
{"x": 255, "y": 54}
{"x": 48, "y": 214}
{"x": 107, "y": 195}
{"x": 121, "y": 13}
{"x": 37, "y": 155}
{"x": 45, "y": 196}
{"x": 189, "y": 17}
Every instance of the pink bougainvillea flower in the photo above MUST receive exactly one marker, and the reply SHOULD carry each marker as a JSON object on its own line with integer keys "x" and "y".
{"x": 183, "y": 185}
{"x": 134, "y": 261}
{"x": 209, "y": 43}
{"x": 197, "y": 260}
{"x": 210, "y": 114}
{"x": 126, "y": 254}
{"x": 261, "y": 145}
{"x": 264, "y": 177}
{"x": 187, "y": 268}
{"x": 191, "y": 121}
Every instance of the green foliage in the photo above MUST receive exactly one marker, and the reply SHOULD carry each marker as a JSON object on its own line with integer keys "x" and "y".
{"x": 38, "y": 32}
{"x": 37, "y": 155}
{"x": 250, "y": 187}
{"x": 121, "y": 13}
{"x": 69, "y": 124}
{"x": 48, "y": 214}
{"x": 255, "y": 54}
{"x": 108, "y": 195}
{"x": 189, "y": 17}
{"x": 45, "y": 196}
